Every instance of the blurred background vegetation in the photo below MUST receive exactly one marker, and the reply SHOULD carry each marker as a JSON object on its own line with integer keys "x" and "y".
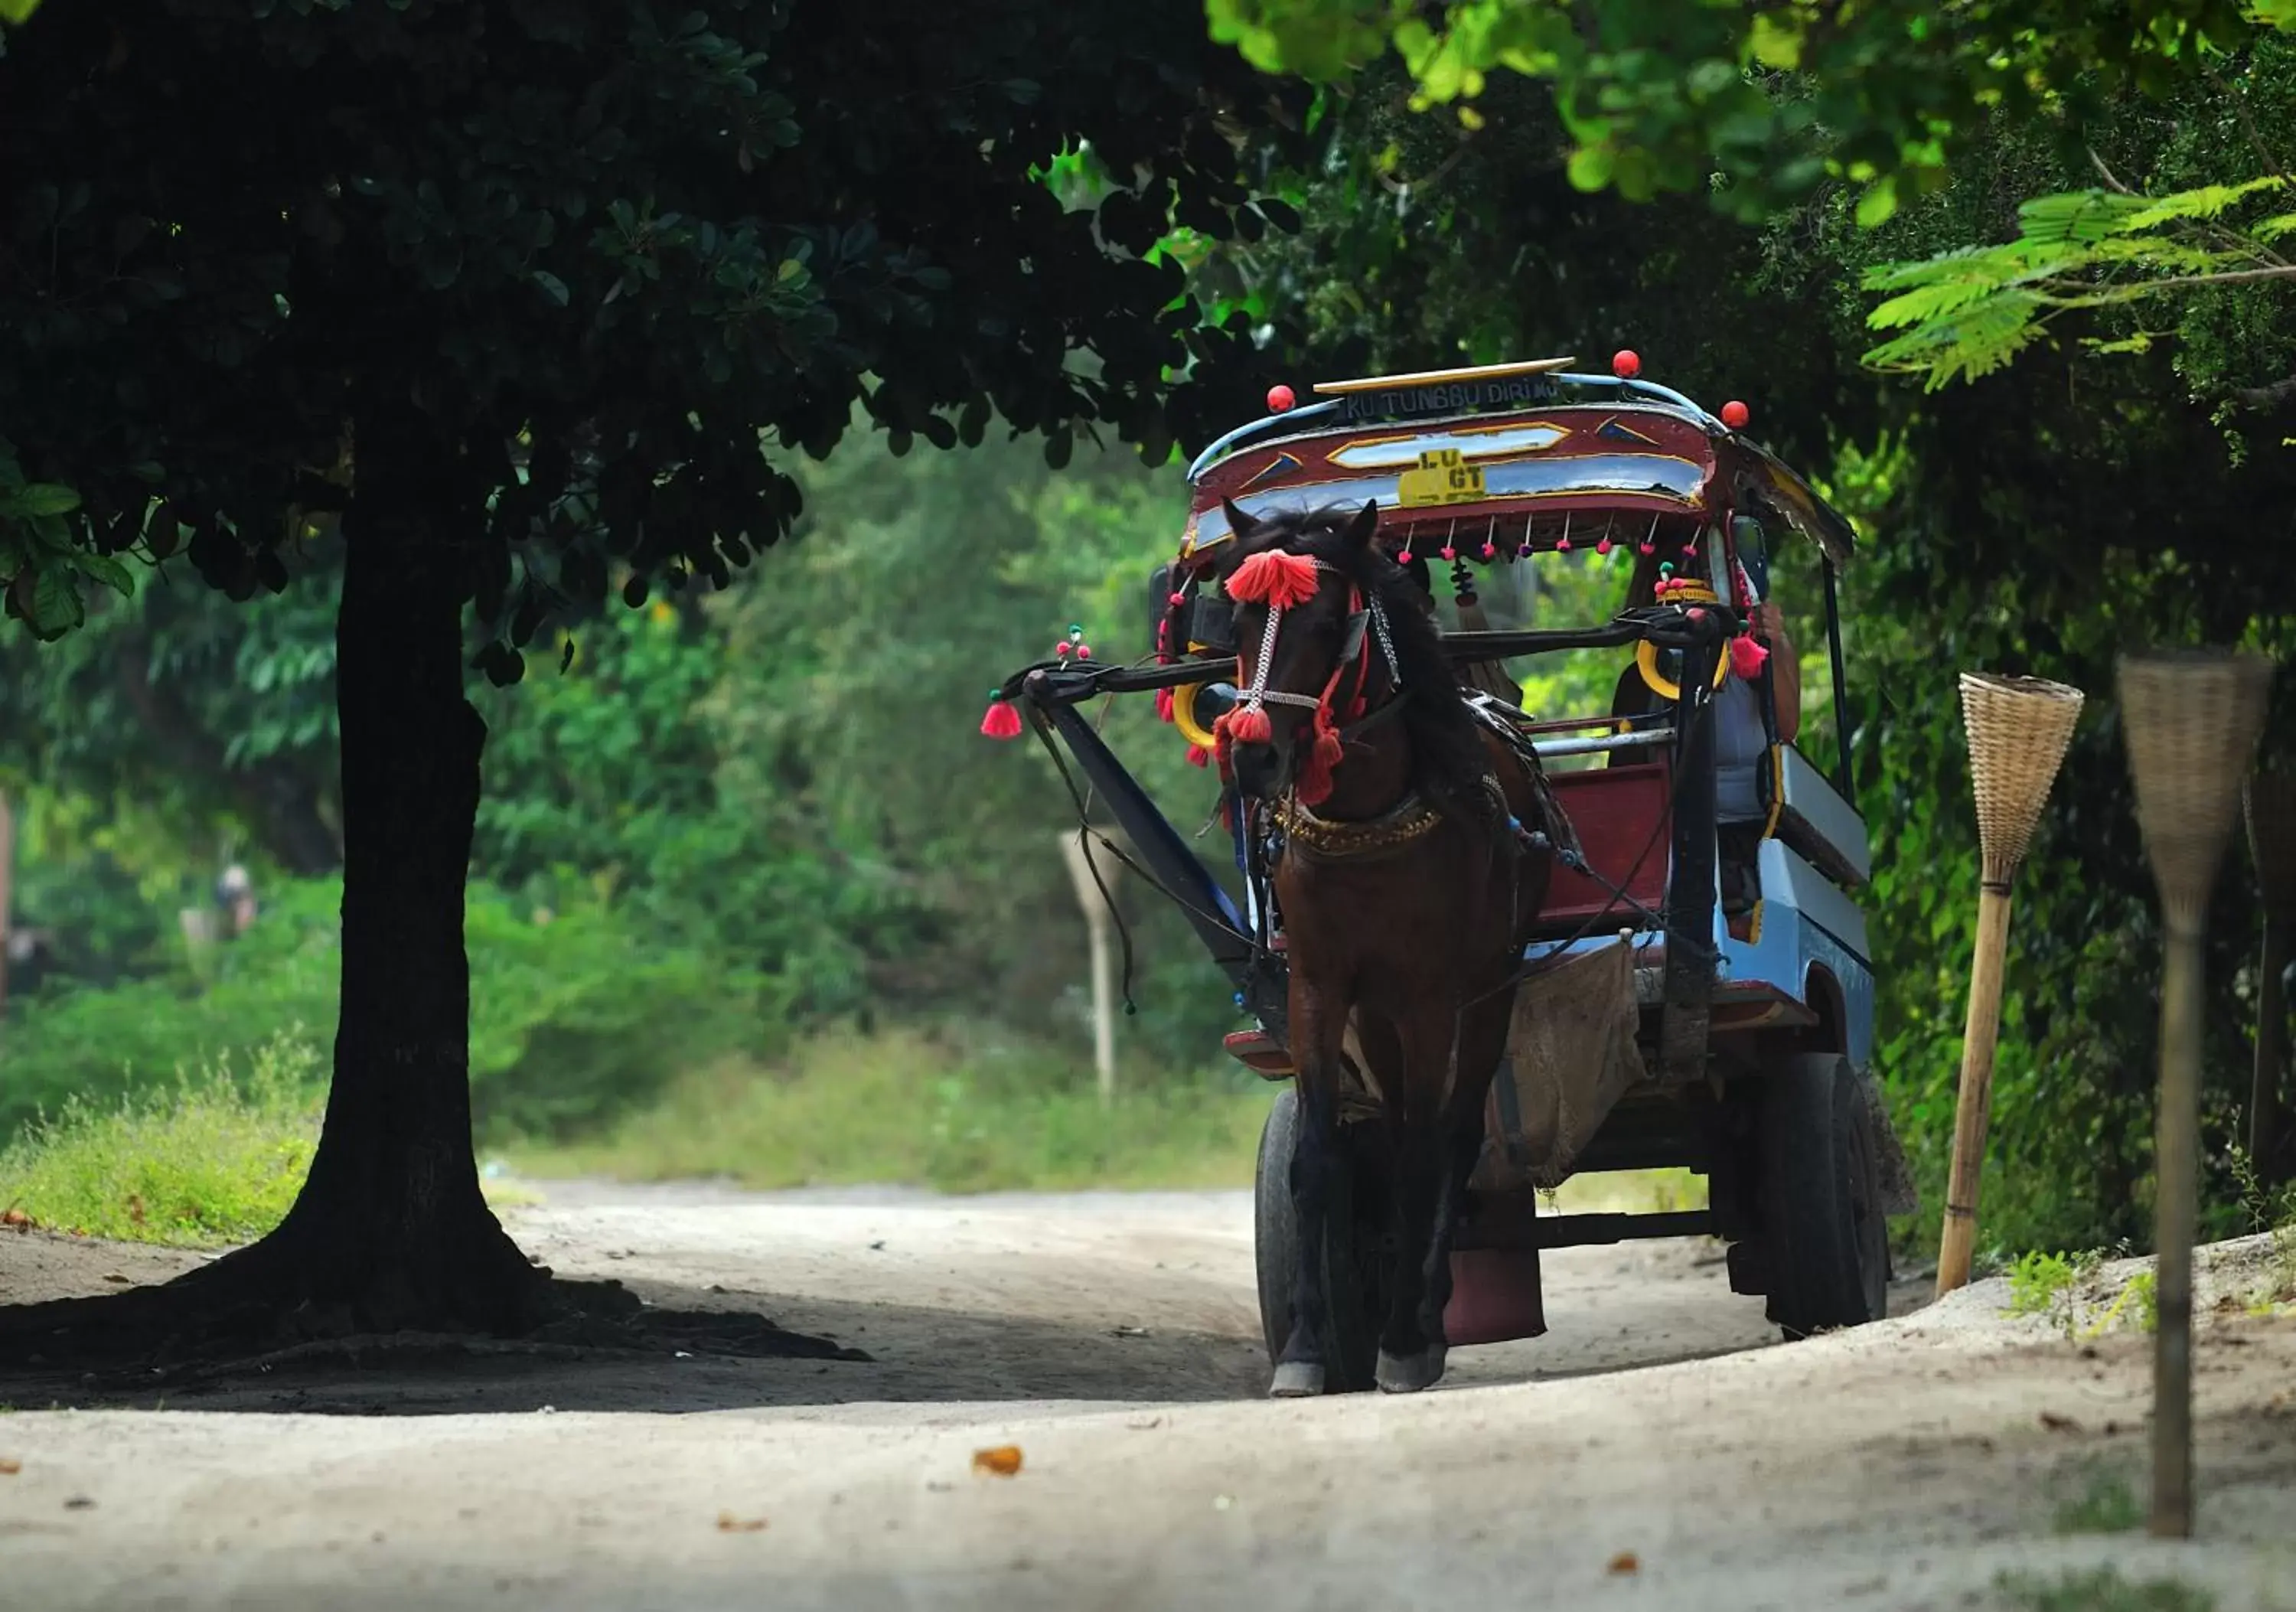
{"x": 750, "y": 895}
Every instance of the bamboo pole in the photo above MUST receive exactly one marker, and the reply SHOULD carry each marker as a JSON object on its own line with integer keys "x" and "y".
{"x": 2191, "y": 721}
{"x": 1973, "y": 1108}
{"x": 2019, "y": 728}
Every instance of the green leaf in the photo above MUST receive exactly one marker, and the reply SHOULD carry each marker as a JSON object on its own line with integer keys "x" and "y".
{"x": 1879, "y": 204}
{"x": 1776, "y": 42}
{"x": 553, "y": 287}
{"x": 18, "y": 11}
{"x": 106, "y": 571}
{"x": 39, "y": 498}
{"x": 55, "y": 607}
{"x": 1591, "y": 167}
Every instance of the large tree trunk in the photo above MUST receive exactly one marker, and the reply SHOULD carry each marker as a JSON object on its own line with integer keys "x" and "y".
{"x": 391, "y": 1222}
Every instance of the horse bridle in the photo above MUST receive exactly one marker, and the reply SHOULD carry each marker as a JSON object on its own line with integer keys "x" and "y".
{"x": 1366, "y": 622}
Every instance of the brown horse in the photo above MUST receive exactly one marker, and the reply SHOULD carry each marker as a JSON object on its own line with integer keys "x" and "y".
{"x": 1408, "y": 876}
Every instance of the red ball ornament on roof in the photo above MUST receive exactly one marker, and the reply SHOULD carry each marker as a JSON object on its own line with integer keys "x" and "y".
{"x": 1280, "y": 398}
{"x": 1625, "y": 364}
{"x": 1735, "y": 415}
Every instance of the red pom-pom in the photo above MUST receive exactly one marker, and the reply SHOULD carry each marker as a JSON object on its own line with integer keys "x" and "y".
{"x": 1247, "y": 725}
{"x": 1403, "y": 555}
{"x": 1735, "y": 415}
{"x": 1451, "y": 552}
{"x": 1198, "y": 756}
{"x": 1562, "y": 546}
{"x": 1164, "y": 705}
{"x": 1491, "y": 550}
{"x": 1002, "y": 722}
{"x": 1625, "y": 364}
{"x": 1084, "y": 652}
{"x": 1176, "y": 600}
{"x": 1746, "y": 658}
{"x": 1280, "y": 398}
{"x": 1060, "y": 649}
{"x": 1275, "y": 578}
{"x": 1603, "y": 546}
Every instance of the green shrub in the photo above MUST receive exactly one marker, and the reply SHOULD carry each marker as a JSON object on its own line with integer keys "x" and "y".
{"x": 574, "y": 1013}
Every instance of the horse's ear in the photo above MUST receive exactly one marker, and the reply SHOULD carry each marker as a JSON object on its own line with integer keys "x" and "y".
{"x": 1242, "y": 524}
{"x": 1363, "y": 526}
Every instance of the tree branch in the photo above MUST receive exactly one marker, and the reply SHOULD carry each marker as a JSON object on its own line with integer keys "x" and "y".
{"x": 2266, "y": 397}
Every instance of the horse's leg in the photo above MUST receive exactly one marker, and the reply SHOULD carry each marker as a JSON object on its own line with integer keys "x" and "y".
{"x": 1443, "y": 1136}
{"x": 1315, "y": 1038}
{"x": 1410, "y": 1358}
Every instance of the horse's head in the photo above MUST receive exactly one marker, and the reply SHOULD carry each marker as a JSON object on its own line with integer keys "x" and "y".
{"x": 1305, "y": 588}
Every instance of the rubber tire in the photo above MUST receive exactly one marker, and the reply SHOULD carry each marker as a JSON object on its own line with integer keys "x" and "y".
{"x": 1350, "y": 1273}
{"x": 1826, "y": 1241}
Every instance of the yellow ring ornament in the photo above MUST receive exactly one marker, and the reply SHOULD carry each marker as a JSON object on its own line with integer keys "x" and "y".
{"x": 1682, "y": 592}
{"x": 1184, "y": 710}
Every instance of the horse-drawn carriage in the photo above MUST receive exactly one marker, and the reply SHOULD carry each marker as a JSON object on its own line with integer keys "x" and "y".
{"x": 1679, "y": 989}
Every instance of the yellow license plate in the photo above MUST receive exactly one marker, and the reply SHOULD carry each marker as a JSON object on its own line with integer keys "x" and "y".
{"x": 1443, "y": 477}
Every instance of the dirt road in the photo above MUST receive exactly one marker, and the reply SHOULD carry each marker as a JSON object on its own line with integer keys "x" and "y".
{"x": 1655, "y": 1450}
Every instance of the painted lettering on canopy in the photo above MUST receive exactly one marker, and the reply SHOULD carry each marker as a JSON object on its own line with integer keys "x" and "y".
{"x": 1449, "y": 397}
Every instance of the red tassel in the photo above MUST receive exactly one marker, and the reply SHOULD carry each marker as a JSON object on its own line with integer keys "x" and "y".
{"x": 1164, "y": 706}
{"x": 1275, "y": 578}
{"x": 1245, "y": 725}
{"x": 1198, "y": 756}
{"x": 1002, "y": 722}
{"x": 1746, "y": 658}
{"x": 1315, "y": 783}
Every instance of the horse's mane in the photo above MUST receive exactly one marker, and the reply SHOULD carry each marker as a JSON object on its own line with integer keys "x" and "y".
{"x": 1443, "y": 737}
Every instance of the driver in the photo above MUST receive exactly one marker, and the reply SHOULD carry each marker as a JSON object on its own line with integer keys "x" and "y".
{"x": 1739, "y": 741}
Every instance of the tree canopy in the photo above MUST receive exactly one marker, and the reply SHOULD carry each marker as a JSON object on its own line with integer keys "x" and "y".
{"x": 526, "y": 300}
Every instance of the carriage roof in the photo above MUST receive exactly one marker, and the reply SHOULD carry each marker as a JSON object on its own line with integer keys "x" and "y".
{"x": 1514, "y": 449}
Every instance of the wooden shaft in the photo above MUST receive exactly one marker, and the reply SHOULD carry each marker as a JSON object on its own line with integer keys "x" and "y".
{"x": 1971, "y": 1108}
{"x": 2271, "y": 1049}
{"x": 2176, "y": 1212}
{"x": 1103, "y": 1007}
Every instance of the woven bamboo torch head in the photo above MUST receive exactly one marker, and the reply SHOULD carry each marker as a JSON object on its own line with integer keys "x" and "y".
{"x": 2272, "y": 840}
{"x": 2192, "y": 720}
{"x": 2018, "y": 731}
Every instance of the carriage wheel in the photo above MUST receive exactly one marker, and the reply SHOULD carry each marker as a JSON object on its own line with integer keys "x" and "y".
{"x": 1354, "y": 1272}
{"x": 1826, "y": 1240}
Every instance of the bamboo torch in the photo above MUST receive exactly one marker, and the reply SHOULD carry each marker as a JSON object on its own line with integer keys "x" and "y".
{"x": 2191, "y": 722}
{"x": 2272, "y": 843}
{"x": 2018, "y": 731}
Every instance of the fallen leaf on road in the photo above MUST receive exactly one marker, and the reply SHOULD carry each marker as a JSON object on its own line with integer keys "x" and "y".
{"x": 16, "y": 1219}
{"x": 78, "y": 1503}
{"x": 113, "y": 1275}
{"x": 10, "y": 1465}
{"x": 1003, "y": 1459}
{"x": 2056, "y": 1423}
{"x": 727, "y": 1523}
{"x": 1626, "y": 1562}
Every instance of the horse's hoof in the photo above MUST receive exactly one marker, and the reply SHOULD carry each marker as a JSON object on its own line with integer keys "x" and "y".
{"x": 1297, "y": 1380}
{"x": 1408, "y": 1374}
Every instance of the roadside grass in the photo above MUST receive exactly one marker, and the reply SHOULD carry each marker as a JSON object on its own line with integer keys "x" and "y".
{"x": 2101, "y": 1590}
{"x": 923, "y": 1107}
{"x": 212, "y": 1157}
{"x": 2107, "y": 1503}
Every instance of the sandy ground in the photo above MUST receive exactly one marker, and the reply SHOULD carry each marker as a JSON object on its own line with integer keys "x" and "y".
{"x": 1657, "y": 1450}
